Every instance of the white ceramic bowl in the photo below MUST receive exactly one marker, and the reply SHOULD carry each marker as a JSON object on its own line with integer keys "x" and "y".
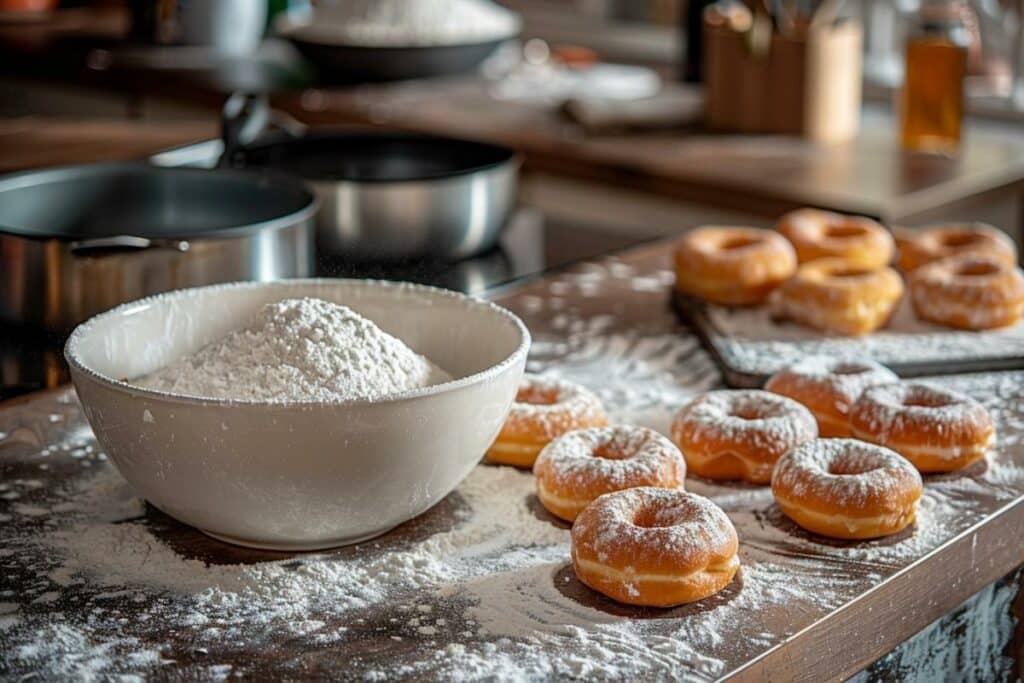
{"x": 297, "y": 476}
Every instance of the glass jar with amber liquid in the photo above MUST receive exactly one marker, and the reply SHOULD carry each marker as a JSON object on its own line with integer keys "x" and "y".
{"x": 932, "y": 100}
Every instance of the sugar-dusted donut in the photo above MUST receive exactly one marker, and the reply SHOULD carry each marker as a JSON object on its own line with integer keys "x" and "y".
{"x": 845, "y": 488}
{"x": 740, "y": 434}
{"x": 544, "y": 409}
{"x": 831, "y": 295}
{"x": 968, "y": 292}
{"x": 577, "y": 467}
{"x": 732, "y": 266}
{"x": 858, "y": 240}
{"x": 918, "y": 247}
{"x": 655, "y": 547}
{"x": 828, "y": 387}
{"x": 935, "y": 429}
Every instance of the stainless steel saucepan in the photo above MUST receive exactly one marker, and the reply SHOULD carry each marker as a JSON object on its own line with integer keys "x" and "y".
{"x": 384, "y": 196}
{"x": 78, "y": 240}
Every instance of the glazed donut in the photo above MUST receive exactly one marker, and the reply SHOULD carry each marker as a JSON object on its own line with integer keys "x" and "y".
{"x": 577, "y": 467}
{"x": 918, "y": 247}
{"x": 845, "y": 488}
{"x": 740, "y": 434}
{"x": 935, "y": 429}
{"x": 732, "y": 266}
{"x": 654, "y": 547}
{"x": 828, "y": 387}
{"x": 832, "y": 295}
{"x": 968, "y": 292}
{"x": 858, "y": 240}
{"x": 544, "y": 409}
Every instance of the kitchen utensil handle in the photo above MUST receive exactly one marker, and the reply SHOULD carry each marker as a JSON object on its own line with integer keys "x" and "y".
{"x": 92, "y": 245}
{"x": 244, "y": 117}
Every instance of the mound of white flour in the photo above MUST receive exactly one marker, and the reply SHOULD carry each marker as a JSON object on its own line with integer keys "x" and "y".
{"x": 300, "y": 350}
{"x": 400, "y": 23}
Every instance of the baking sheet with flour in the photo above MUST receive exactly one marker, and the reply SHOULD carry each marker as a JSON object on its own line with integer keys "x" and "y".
{"x": 751, "y": 344}
{"x": 96, "y": 582}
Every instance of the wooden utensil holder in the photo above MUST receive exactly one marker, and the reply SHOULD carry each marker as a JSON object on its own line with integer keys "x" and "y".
{"x": 807, "y": 85}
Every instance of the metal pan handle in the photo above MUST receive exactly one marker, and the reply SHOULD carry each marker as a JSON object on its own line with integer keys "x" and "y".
{"x": 97, "y": 245}
{"x": 245, "y": 117}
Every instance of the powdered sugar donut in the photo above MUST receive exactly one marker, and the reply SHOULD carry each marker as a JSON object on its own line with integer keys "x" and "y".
{"x": 740, "y": 434}
{"x": 544, "y": 409}
{"x": 828, "y": 387}
{"x": 845, "y": 488}
{"x": 577, "y": 467}
{"x": 969, "y": 292}
{"x": 935, "y": 429}
{"x": 858, "y": 240}
{"x": 732, "y": 266}
{"x": 832, "y": 295}
{"x": 918, "y": 247}
{"x": 656, "y": 547}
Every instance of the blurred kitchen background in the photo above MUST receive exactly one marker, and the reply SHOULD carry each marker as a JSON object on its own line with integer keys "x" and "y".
{"x": 623, "y": 121}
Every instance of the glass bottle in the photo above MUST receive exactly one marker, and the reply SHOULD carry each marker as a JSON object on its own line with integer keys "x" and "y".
{"x": 932, "y": 102}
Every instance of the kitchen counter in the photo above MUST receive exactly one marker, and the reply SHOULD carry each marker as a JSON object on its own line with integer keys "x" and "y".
{"x": 480, "y": 585}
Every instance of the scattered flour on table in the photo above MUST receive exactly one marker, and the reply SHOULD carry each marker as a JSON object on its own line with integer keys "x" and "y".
{"x": 753, "y": 341}
{"x": 300, "y": 350}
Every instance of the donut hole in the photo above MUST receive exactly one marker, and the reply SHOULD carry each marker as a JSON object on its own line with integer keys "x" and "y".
{"x": 737, "y": 242}
{"x": 654, "y": 518}
{"x": 850, "y": 272}
{"x": 850, "y": 369}
{"x": 609, "y": 451}
{"x": 926, "y": 400}
{"x": 960, "y": 239}
{"x": 849, "y": 467}
{"x": 977, "y": 269}
{"x": 844, "y": 231}
{"x": 747, "y": 413}
{"x": 538, "y": 396}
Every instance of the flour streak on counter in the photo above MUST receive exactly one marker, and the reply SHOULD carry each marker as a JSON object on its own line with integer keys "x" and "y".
{"x": 479, "y": 586}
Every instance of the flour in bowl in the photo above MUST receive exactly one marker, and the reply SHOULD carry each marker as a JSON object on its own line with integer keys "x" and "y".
{"x": 300, "y": 350}
{"x": 405, "y": 23}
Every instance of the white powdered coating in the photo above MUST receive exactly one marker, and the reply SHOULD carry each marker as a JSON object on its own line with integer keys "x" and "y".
{"x": 753, "y": 341}
{"x": 647, "y": 523}
{"x": 766, "y": 421}
{"x": 846, "y": 378}
{"x": 550, "y": 406}
{"x": 299, "y": 350}
{"x": 611, "y": 457}
{"x": 402, "y": 23}
{"x": 938, "y": 414}
{"x": 981, "y": 289}
{"x": 868, "y": 474}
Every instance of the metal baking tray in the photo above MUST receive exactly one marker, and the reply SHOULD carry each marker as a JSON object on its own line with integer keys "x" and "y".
{"x": 749, "y": 345}
{"x": 802, "y": 607}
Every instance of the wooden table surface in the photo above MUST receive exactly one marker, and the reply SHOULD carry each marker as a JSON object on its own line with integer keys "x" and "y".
{"x": 495, "y": 595}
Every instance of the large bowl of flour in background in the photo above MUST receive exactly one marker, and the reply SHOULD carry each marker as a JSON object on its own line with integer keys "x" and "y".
{"x": 297, "y": 475}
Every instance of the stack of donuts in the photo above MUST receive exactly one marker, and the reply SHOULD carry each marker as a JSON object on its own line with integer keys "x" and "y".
{"x": 834, "y": 272}
{"x": 841, "y": 442}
